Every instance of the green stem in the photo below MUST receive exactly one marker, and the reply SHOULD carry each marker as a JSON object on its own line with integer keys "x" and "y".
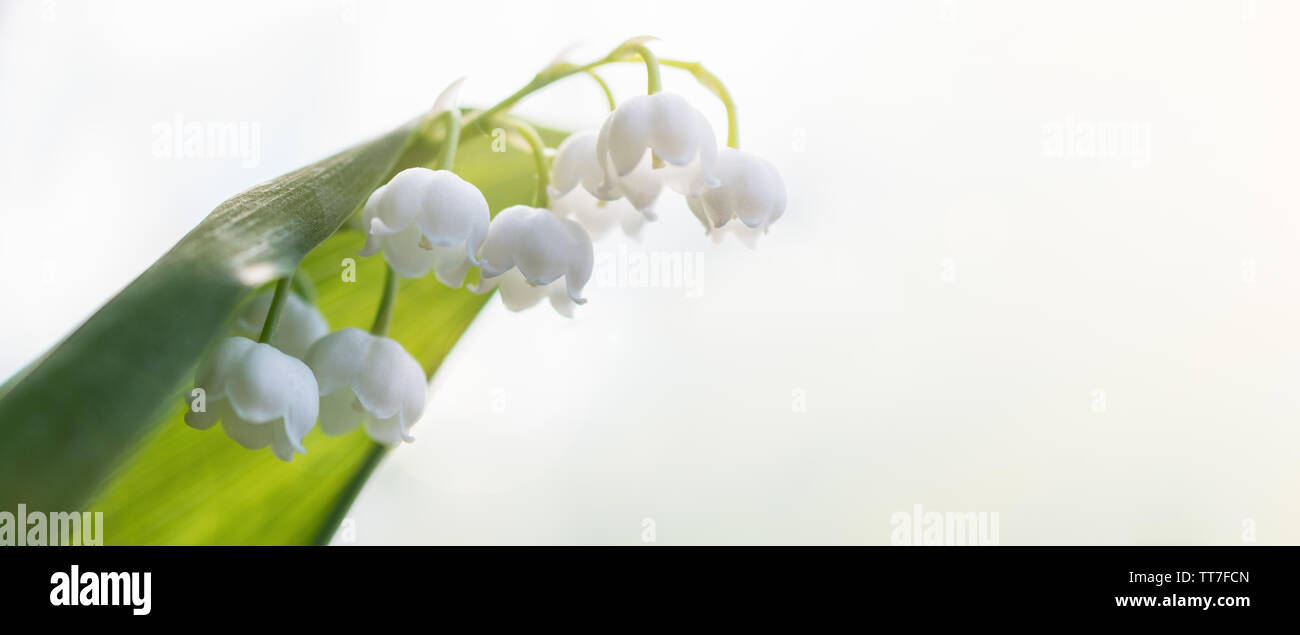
{"x": 277, "y": 306}
{"x": 609, "y": 94}
{"x": 715, "y": 85}
{"x": 447, "y": 154}
{"x": 384, "y": 316}
{"x": 541, "y": 80}
{"x": 653, "y": 82}
{"x": 538, "y": 148}
{"x": 556, "y": 73}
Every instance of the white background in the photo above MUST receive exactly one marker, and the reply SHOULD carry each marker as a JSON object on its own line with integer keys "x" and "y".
{"x": 1101, "y": 349}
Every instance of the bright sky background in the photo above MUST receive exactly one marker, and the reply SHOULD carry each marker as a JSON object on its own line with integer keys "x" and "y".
{"x": 968, "y": 305}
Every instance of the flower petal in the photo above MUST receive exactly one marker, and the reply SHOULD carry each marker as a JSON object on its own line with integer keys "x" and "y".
{"x": 401, "y": 201}
{"x": 627, "y": 133}
{"x": 450, "y": 264}
{"x": 282, "y": 446}
{"x": 203, "y": 420}
{"x": 574, "y": 159}
{"x": 405, "y": 255}
{"x": 267, "y": 382}
{"x": 300, "y": 326}
{"x": 516, "y": 293}
{"x": 641, "y": 187}
{"x": 595, "y": 215}
{"x": 541, "y": 245}
{"x": 675, "y": 134}
{"x": 340, "y": 413}
{"x": 560, "y": 300}
{"x": 696, "y": 204}
{"x": 368, "y": 214}
{"x": 215, "y": 372}
{"x": 388, "y": 375}
{"x": 452, "y": 210}
{"x": 253, "y": 436}
{"x": 581, "y": 260}
{"x": 337, "y": 358}
{"x": 387, "y": 431}
{"x": 751, "y": 189}
{"x": 303, "y": 407}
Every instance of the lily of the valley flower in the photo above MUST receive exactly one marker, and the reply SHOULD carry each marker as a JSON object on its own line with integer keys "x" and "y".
{"x": 518, "y": 294}
{"x": 260, "y": 395}
{"x": 666, "y": 126}
{"x": 301, "y": 323}
{"x": 365, "y": 377}
{"x": 541, "y": 245}
{"x": 751, "y": 189}
{"x": 599, "y": 217}
{"x": 576, "y": 163}
{"x": 426, "y": 219}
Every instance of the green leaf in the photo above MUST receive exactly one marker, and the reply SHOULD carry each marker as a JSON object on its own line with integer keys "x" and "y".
{"x": 98, "y": 420}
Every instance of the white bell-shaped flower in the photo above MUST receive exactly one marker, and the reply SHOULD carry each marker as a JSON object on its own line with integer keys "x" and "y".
{"x": 260, "y": 395}
{"x": 751, "y": 190}
{"x": 301, "y": 323}
{"x": 576, "y": 164}
{"x": 667, "y": 127}
{"x": 599, "y": 217}
{"x": 365, "y": 377}
{"x": 518, "y": 294}
{"x": 426, "y": 219}
{"x": 543, "y": 246}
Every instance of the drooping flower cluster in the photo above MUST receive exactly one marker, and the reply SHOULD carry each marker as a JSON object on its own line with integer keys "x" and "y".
{"x": 264, "y": 395}
{"x": 433, "y": 220}
{"x": 591, "y": 170}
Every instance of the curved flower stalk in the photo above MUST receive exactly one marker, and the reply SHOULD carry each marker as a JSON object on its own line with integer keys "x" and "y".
{"x": 750, "y": 189}
{"x": 301, "y": 323}
{"x": 426, "y": 219}
{"x": 370, "y": 378}
{"x": 667, "y": 127}
{"x": 260, "y": 395}
{"x": 543, "y": 248}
